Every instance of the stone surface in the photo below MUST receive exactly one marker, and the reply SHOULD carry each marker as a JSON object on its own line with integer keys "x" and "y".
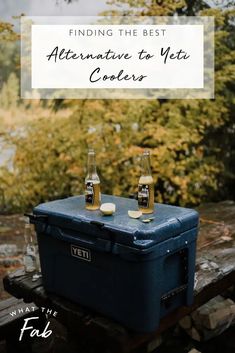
{"x": 11, "y": 261}
{"x": 216, "y": 243}
{"x": 186, "y": 322}
{"x": 211, "y": 319}
{"x": 152, "y": 345}
{"x": 11, "y": 246}
{"x": 194, "y": 350}
{"x": 195, "y": 334}
{"x": 8, "y": 250}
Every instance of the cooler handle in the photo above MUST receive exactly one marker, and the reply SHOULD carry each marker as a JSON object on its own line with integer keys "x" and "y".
{"x": 173, "y": 292}
{"x": 96, "y": 243}
{"x": 183, "y": 287}
{"x": 59, "y": 233}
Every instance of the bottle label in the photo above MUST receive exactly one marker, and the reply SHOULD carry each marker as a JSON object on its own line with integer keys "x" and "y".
{"x": 89, "y": 193}
{"x": 143, "y": 196}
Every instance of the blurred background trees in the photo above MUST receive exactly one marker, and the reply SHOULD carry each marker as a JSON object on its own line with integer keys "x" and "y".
{"x": 191, "y": 141}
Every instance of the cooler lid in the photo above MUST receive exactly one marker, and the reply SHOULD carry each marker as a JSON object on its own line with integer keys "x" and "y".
{"x": 70, "y": 213}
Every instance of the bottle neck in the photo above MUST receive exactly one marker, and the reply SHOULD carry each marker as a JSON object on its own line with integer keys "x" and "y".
{"x": 91, "y": 164}
{"x": 145, "y": 164}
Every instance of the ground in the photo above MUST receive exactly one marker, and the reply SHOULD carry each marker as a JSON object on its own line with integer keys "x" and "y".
{"x": 11, "y": 232}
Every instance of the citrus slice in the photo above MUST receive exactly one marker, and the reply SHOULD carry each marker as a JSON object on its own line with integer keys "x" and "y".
{"x": 134, "y": 214}
{"x": 147, "y": 220}
{"x": 108, "y": 208}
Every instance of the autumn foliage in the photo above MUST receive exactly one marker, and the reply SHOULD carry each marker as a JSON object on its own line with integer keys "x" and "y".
{"x": 191, "y": 141}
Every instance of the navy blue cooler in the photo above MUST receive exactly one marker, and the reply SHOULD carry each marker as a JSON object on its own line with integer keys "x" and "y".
{"x": 130, "y": 271}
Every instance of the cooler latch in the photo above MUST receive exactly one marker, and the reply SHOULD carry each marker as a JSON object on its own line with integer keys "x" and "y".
{"x": 100, "y": 225}
{"x": 39, "y": 221}
{"x": 111, "y": 233}
{"x": 36, "y": 217}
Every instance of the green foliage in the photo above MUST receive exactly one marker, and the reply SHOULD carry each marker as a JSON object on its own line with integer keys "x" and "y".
{"x": 40, "y": 165}
{"x": 9, "y": 60}
{"x": 50, "y": 159}
{"x": 191, "y": 141}
{"x": 7, "y": 32}
{"x": 9, "y": 94}
{"x": 9, "y": 56}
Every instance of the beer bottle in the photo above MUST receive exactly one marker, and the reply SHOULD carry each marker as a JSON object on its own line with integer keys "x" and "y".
{"x": 146, "y": 186}
{"x": 92, "y": 184}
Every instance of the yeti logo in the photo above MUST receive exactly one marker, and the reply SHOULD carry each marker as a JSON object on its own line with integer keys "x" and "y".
{"x": 81, "y": 253}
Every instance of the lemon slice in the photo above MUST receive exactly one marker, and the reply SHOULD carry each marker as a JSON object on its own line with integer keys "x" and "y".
{"x": 134, "y": 214}
{"x": 108, "y": 208}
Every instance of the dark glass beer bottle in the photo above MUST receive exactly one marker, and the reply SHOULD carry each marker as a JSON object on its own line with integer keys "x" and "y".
{"x": 146, "y": 186}
{"x": 92, "y": 183}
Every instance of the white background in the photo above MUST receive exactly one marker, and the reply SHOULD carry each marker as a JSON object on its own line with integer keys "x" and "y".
{"x": 75, "y": 73}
